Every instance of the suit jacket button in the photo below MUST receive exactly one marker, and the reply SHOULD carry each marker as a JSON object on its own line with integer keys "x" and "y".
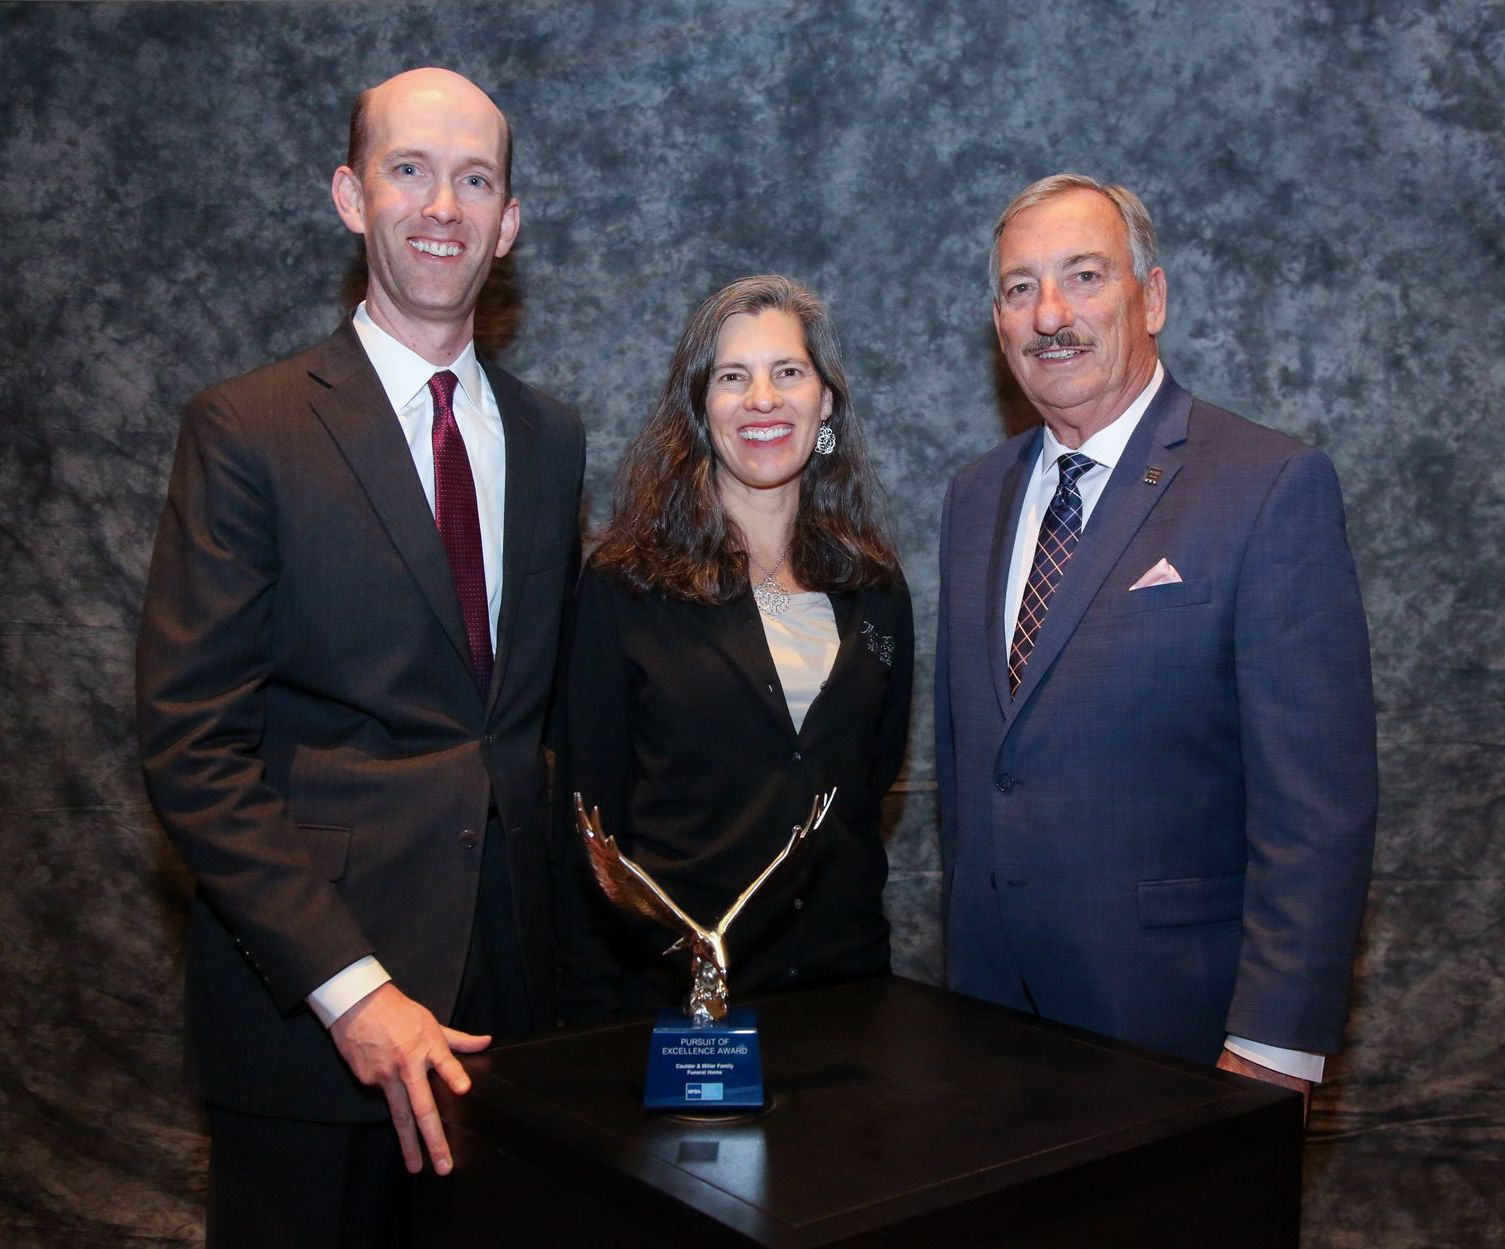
{"x": 797, "y": 756}
{"x": 799, "y": 904}
{"x": 470, "y": 839}
{"x": 487, "y": 739}
{"x": 1004, "y": 781}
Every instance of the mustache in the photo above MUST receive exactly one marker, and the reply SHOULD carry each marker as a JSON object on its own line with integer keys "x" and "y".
{"x": 1061, "y": 338}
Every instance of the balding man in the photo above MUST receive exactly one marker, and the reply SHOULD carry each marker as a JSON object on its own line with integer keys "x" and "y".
{"x": 1155, "y": 725}
{"x": 344, "y": 662}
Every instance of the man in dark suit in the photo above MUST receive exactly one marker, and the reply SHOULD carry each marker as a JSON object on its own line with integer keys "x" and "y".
{"x": 1155, "y": 725}
{"x": 345, "y": 657}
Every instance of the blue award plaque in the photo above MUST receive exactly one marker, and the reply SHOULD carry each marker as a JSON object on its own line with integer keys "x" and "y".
{"x": 705, "y": 1067}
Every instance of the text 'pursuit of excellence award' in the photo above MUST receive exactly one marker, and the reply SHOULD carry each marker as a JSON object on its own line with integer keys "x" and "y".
{"x": 707, "y": 1058}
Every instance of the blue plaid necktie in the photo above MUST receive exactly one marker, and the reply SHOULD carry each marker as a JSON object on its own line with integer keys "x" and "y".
{"x": 1059, "y": 532}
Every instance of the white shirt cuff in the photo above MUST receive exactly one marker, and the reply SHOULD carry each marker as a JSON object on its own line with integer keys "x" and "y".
{"x": 345, "y": 988}
{"x": 1296, "y": 1063}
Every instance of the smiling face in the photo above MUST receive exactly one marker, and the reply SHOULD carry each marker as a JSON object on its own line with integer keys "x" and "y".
{"x": 1076, "y": 326}
{"x": 764, "y": 403}
{"x": 430, "y": 202}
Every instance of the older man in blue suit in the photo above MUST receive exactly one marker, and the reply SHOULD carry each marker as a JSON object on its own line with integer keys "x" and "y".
{"x": 1155, "y": 721}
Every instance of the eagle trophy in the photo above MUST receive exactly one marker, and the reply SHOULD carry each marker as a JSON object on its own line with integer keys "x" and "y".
{"x": 630, "y": 887}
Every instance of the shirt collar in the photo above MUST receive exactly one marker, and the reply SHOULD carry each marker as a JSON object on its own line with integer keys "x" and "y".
{"x": 403, "y": 373}
{"x": 1107, "y": 445}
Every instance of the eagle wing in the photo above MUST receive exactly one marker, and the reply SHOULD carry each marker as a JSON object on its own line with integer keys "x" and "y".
{"x": 797, "y": 838}
{"x": 625, "y": 883}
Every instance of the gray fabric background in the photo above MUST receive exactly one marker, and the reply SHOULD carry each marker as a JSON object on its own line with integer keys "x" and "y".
{"x": 1328, "y": 181}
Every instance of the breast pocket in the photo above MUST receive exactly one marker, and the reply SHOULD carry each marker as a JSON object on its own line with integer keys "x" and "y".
{"x": 1159, "y": 597}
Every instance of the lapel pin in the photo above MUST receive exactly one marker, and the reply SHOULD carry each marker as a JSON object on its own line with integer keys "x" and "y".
{"x": 1152, "y": 476}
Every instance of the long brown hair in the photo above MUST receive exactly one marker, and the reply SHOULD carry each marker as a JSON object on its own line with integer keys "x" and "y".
{"x": 668, "y": 529}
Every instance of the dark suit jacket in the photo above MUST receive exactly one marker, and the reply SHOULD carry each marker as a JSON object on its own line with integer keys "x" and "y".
{"x": 312, "y": 739}
{"x": 1166, "y": 835}
{"x": 677, "y": 728}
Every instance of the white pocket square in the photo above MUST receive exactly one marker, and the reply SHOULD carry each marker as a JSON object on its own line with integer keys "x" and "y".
{"x": 1163, "y": 573}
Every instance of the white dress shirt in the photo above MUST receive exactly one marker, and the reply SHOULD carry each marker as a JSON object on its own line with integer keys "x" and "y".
{"x": 1107, "y": 447}
{"x": 404, "y": 375}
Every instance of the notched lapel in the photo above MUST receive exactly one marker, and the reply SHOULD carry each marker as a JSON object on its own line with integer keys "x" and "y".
{"x": 1005, "y": 528}
{"x": 1126, "y": 502}
{"x": 355, "y": 411}
{"x": 519, "y": 508}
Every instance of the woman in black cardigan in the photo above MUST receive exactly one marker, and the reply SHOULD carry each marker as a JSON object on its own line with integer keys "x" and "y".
{"x": 743, "y": 641}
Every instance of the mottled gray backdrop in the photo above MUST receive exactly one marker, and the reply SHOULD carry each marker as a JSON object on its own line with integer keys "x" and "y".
{"x": 1328, "y": 181}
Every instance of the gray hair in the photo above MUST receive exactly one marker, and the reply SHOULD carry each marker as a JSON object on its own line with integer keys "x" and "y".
{"x": 1130, "y": 208}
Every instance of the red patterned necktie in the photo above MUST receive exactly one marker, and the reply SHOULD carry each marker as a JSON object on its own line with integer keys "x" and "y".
{"x": 460, "y": 526}
{"x": 1059, "y": 532}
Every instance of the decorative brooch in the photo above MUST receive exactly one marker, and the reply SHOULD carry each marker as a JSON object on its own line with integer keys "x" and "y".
{"x": 879, "y": 644}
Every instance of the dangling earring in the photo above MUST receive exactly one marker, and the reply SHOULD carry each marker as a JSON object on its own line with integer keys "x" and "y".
{"x": 825, "y": 440}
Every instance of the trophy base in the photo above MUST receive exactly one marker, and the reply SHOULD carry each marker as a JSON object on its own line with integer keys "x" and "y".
{"x": 721, "y": 1118}
{"x": 712, "y": 1071}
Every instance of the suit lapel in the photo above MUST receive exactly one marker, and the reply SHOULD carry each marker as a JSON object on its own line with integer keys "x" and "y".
{"x": 520, "y": 507}
{"x": 1005, "y": 528}
{"x": 355, "y": 411}
{"x": 1125, "y": 503}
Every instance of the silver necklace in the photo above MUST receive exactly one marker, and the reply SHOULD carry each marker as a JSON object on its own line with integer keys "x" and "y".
{"x": 770, "y": 596}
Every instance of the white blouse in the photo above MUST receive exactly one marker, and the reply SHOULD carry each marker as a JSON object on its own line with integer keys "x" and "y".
{"x": 803, "y": 642}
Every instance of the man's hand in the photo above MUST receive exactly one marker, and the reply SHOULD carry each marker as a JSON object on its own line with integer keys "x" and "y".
{"x": 388, "y": 1039}
{"x": 1229, "y": 1061}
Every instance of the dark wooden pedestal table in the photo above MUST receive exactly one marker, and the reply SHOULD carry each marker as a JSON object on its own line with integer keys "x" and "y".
{"x": 903, "y": 1116}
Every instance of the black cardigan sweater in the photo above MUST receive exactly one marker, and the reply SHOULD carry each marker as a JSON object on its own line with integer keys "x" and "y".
{"x": 676, "y": 726}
